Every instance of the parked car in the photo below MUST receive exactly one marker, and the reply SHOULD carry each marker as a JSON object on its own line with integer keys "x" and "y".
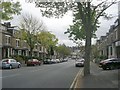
{"x": 33, "y": 62}
{"x": 47, "y": 61}
{"x": 10, "y": 63}
{"x": 111, "y": 63}
{"x": 53, "y": 61}
{"x": 65, "y": 59}
{"x": 79, "y": 63}
{"x": 57, "y": 61}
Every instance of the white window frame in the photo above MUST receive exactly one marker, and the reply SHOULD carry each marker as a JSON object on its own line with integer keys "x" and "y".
{"x": 17, "y": 42}
{"x": 19, "y": 52}
{"x": 7, "y": 37}
{"x": 26, "y": 53}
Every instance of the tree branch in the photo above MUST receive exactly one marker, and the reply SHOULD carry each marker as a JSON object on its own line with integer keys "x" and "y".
{"x": 101, "y": 13}
{"x": 94, "y": 10}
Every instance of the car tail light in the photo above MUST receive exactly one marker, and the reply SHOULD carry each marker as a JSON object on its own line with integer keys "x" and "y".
{"x": 7, "y": 61}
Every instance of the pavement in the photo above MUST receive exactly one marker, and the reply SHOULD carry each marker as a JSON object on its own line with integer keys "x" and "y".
{"x": 98, "y": 79}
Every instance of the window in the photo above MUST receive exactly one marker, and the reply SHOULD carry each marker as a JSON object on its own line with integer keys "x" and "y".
{"x": 35, "y": 46}
{"x": 19, "y": 52}
{"x": 26, "y": 53}
{"x": 12, "y": 60}
{"x": 40, "y": 48}
{"x": 17, "y": 42}
{"x": 7, "y": 39}
{"x": 111, "y": 50}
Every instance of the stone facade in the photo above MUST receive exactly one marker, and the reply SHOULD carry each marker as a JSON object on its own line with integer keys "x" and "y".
{"x": 109, "y": 45}
{"x": 11, "y": 43}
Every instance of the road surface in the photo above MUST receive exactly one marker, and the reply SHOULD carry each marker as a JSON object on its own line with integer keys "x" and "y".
{"x": 60, "y": 75}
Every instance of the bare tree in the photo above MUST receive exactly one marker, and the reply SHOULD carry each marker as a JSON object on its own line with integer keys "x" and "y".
{"x": 29, "y": 27}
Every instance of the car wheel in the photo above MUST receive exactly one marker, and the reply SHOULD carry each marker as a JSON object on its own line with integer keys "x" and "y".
{"x": 10, "y": 67}
{"x": 104, "y": 68}
{"x": 19, "y": 66}
{"x": 111, "y": 67}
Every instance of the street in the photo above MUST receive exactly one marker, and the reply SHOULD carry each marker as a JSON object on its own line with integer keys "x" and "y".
{"x": 60, "y": 75}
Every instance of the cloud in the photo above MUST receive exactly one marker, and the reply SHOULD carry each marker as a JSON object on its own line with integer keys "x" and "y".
{"x": 59, "y": 26}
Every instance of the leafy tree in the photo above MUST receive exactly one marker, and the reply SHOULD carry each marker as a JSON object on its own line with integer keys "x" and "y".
{"x": 86, "y": 15}
{"x": 47, "y": 40}
{"x": 85, "y": 25}
{"x": 63, "y": 50}
{"x": 29, "y": 27}
{"x": 95, "y": 52}
{"x": 8, "y": 9}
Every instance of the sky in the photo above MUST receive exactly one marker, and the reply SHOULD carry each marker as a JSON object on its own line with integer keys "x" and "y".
{"x": 59, "y": 26}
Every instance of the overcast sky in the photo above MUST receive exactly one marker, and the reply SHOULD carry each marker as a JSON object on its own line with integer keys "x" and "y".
{"x": 59, "y": 26}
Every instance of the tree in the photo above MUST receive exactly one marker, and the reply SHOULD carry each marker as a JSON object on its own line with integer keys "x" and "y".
{"x": 47, "y": 40}
{"x": 86, "y": 23}
{"x": 86, "y": 16}
{"x": 29, "y": 27}
{"x": 63, "y": 50}
{"x": 95, "y": 52}
{"x": 8, "y": 9}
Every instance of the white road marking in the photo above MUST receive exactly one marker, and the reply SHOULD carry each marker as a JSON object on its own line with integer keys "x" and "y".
{"x": 75, "y": 79}
{"x": 10, "y": 76}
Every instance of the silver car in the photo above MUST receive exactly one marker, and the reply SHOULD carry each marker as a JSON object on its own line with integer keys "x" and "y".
{"x": 79, "y": 63}
{"x": 10, "y": 63}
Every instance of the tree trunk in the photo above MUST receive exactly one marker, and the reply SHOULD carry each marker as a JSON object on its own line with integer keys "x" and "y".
{"x": 87, "y": 57}
{"x": 87, "y": 54}
{"x": 31, "y": 50}
{"x": 88, "y": 31}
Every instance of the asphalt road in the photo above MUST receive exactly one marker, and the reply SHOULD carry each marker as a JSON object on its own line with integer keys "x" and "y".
{"x": 59, "y": 75}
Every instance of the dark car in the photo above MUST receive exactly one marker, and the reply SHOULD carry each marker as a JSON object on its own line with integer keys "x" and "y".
{"x": 47, "y": 61}
{"x": 33, "y": 62}
{"x": 111, "y": 63}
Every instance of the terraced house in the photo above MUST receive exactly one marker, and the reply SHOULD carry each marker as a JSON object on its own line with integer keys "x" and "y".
{"x": 6, "y": 40}
{"x": 109, "y": 45}
{"x": 12, "y": 44}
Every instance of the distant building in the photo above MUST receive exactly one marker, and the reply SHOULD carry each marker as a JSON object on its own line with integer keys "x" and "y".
{"x": 77, "y": 52}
